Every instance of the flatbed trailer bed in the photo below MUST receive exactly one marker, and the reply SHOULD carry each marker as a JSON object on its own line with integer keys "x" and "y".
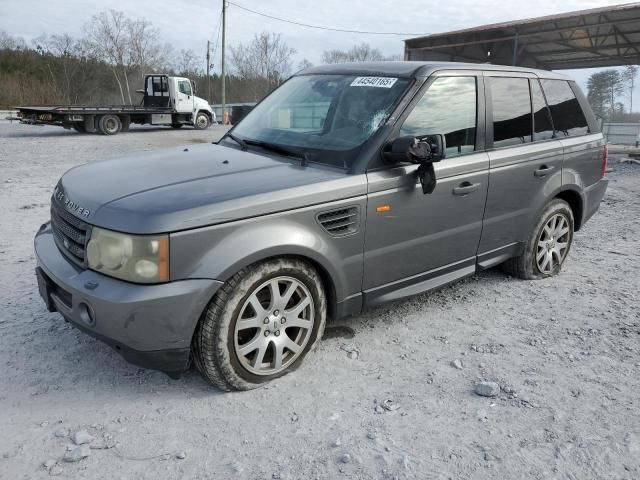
{"x": 167, "y": 101}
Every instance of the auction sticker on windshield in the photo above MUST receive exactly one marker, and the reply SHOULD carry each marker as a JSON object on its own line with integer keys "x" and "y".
{"x": 380, "y": 82}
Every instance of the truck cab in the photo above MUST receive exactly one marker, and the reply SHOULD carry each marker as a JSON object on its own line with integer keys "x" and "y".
{"x": 178, "y": 94}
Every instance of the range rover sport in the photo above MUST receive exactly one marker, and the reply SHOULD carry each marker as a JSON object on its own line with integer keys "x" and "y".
{"x": 348, "y": 186}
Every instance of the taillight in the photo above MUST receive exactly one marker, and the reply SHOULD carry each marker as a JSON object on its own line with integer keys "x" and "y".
{"x": 603, "y": 166}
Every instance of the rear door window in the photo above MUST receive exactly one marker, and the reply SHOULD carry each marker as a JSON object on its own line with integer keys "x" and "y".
{"x": 568, "y": 118}
{"x": 511, "y": 105}
{"x": 542, "y": 126}
{"x": 448, "y": 107}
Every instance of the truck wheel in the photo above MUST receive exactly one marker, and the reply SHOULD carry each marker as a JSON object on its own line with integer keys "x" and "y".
{"x": 202, "y": 121}
{"x": 260, "y": 325}
{"x": 109, "y": 124}
{"x": 548, "y": 245}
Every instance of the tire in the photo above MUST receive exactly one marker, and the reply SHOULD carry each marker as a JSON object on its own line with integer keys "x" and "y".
{"x": 236, "y": 353}
{"x": 544, "y": 255}
{"x": 109, "y": 124}
{"x": 176, "y": 125}
{"x": 202, "y": 121}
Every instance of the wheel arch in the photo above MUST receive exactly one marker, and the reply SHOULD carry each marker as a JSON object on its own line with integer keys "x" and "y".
{"x": 576, "y": 202}
{"x": 207, "y": 112}
{"x": 316, "y": 261}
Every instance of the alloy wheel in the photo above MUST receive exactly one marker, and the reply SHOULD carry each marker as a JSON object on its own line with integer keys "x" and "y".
{"x": 553, "y": 244}
{"x": 274, "y": 325}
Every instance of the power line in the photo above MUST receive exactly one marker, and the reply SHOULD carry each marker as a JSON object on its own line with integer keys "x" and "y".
{"x": 321, "y": 27}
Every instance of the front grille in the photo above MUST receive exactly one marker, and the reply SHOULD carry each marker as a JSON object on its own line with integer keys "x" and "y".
{"x": 70, "y": 233}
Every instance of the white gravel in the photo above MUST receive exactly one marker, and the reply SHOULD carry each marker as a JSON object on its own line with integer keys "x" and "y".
{"x": 566, "y": 352}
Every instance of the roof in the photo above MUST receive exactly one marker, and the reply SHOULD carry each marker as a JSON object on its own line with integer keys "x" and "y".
{"x": 408, "y": 69}
{"x": 598, "y": 37}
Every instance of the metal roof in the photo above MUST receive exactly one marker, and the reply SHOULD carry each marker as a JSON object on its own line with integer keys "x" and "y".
{"x": 599, "y": 37}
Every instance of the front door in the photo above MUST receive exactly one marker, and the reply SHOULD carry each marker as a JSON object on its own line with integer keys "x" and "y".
{"x": 184, "y": 96}
{"x": 416, "y": 241}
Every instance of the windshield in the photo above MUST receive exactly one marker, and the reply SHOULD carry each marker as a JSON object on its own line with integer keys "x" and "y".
{"x": 328, "y": 117}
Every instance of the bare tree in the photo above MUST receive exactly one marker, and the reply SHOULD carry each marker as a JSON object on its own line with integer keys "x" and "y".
{"x": 145, "y": 50}
{"x": 61, "y": 54}
{"x": 188, "y": 64}
{"x": 304, "y": 63}
{"x": 107, "y": 33}
{"x": 265, "y": 62}
{"x": 12, "y": 43}
{"x": 358, "y": 53}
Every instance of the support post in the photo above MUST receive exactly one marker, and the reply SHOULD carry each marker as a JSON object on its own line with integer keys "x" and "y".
{"x": 515, "y": 51}
{"x": 224, "y": 93}
{"x": 208, "y": 71}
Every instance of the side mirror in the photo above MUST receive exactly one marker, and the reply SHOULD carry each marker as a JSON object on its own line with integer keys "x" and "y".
{"x": 193, "y": 87}
{"x": 424, "y": 149}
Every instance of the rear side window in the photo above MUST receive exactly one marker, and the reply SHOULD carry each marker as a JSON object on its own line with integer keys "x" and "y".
{"x": 448, "y": 107}
{"x": 511, "y": 105}
{"x": 568, "y": 118}
{"x": 542, "y": 126}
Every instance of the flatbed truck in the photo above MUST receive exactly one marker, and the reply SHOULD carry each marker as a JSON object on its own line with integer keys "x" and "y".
{"x": 167, "y": 100}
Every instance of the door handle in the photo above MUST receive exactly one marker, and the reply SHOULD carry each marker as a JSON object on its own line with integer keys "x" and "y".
{"x": 543, "y": 171}
{"x": 465, "y": 188}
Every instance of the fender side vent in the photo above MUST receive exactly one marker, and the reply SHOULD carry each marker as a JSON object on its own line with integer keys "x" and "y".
{"x": 340, "y": 222}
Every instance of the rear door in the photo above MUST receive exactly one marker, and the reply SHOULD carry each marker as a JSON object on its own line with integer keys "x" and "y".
{"x": 582, "y": 151}
{"x": 525, "y": 163}
{"x": 413, "y": 238}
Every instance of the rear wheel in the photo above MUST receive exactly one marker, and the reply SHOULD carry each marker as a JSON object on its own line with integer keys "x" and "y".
{"x": 202, "y": 121}
{"x": 548, "y": 245}
{"x": 260, "y": 325}
{"x": 109, "y": 124}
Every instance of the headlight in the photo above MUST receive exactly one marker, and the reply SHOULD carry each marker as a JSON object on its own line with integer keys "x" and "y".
{"x": 135, "y": 258}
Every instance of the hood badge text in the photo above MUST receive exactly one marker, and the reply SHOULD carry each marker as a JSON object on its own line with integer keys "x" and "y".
{"x": 69, "y": 204}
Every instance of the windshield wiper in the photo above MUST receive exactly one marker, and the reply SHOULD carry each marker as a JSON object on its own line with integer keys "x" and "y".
{"x": 239, "y": 141}
{"x": 274, "y": 147}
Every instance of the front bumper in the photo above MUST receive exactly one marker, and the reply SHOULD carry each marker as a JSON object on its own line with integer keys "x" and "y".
{"x": 150, "y": 325}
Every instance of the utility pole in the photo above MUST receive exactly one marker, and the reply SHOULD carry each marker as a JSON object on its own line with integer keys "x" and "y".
{"x": 224, "y": 22}
{"x": 208, "y": 74}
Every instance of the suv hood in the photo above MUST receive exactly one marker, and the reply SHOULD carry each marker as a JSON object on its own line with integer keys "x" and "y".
{"x": 194, "y": 186}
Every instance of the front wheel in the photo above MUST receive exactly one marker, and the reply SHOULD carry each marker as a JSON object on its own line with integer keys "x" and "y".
{"x": 548, "y": 245}
{"x": 202, "y": 121}
{"x": 260, "y": 325}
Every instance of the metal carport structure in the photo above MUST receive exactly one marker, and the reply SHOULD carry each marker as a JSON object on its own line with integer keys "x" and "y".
{"x": 599, "y": 37}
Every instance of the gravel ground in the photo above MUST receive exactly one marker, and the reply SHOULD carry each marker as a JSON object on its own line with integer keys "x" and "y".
{"x": 389, "y": 393}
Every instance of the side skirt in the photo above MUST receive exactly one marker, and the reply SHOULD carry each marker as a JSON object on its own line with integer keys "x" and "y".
{"x": 419, "y": 283}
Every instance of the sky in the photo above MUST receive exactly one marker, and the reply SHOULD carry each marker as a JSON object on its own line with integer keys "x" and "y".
{"x": 188, "y": 24}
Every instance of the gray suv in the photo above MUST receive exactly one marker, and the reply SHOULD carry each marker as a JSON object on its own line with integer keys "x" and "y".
{"x": 349, "y": 186}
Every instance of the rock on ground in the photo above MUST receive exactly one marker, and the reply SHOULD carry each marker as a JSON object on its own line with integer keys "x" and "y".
{"x": 487, "y": 389}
